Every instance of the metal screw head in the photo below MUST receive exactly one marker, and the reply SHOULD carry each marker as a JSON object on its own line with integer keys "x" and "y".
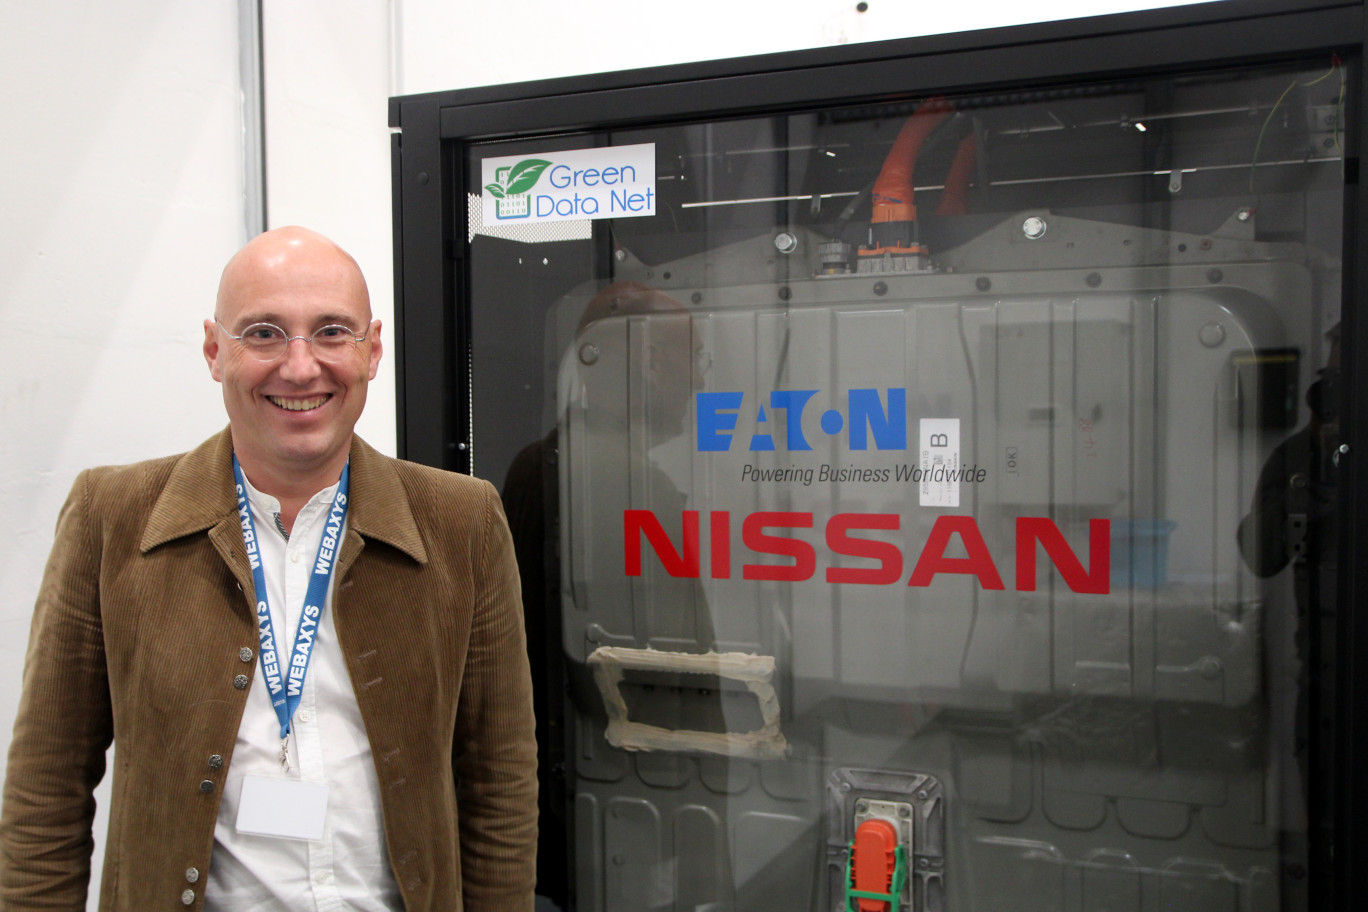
{"x": 983, "y": 283}
{"x": 620, "y": 255}
{"x": 1214, "y": 275}
{"x": 861, "y": 806}
{"x": 1245, "y": 214}
{"x": 588, "y": 353}
{"x": 785, "y": 242}
{"x": 1034, "y": 228}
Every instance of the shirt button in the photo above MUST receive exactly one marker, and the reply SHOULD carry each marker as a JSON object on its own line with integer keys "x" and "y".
{"x": 245, "y": 654}
{"x": 240, "y": 682}
{"x": 215, "y": 761}
{"x": 188, "y": 898}
{"x": 294, "y": 557}
{"x": 321, "y": 877}
{"x": 207, "y": 785}
{"x": 191, "y": 875}
{"x": 304, "y": 715}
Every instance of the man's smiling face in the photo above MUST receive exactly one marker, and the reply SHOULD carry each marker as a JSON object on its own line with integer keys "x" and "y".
{"x": 292, "y": 418}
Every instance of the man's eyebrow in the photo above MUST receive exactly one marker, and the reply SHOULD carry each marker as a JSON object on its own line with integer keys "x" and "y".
{"x": 321, "y": 320}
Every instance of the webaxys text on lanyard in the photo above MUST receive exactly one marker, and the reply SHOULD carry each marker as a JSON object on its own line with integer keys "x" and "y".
{"x": 285, "y": 694}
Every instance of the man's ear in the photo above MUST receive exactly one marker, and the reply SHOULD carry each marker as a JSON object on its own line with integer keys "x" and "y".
{"x": 376, "y": 349}
{"x": 212, "y": 350}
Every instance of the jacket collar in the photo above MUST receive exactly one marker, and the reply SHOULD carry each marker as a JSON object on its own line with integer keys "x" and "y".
{"x": 199, "y": 495}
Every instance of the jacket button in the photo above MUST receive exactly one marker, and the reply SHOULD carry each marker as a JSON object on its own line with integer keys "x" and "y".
{"x": 215, "y": 761}
{"x": 207, "y": 785}
{"x": 245, "y": 653}
{"x": 191, "y": 875}
{"x": 188, "y": 898}
{"x": 240, "y": 682}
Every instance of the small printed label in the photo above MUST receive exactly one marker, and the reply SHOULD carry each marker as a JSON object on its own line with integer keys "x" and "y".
{"x": 940, "y": 459}
{"x": 609, "y": 182}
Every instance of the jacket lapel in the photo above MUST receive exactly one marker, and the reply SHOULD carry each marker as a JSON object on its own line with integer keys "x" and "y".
{"x": 379, "y": 508}
{"x": 199, "y": 495}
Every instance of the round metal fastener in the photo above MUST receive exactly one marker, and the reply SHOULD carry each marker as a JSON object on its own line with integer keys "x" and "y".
{"x": 207, "y": 786}
{"x": 215, "y": 761}
{"x": 245, "y": 653}
{"x": 785, "y": 242}
{"x": 1034, "y": 228}
{"x": 588, "y": 353}
{"x": 241, "y": 682}
{"x": 191, "y": 875}
{"x": 1211, "y": 335}
{"x": 188, "y": 898}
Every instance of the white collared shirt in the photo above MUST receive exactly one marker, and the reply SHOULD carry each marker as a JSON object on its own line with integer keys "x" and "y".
{"x": 348, "y": 869}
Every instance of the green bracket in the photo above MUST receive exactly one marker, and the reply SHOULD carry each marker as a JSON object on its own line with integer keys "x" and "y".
{"x": 893, "y": 897}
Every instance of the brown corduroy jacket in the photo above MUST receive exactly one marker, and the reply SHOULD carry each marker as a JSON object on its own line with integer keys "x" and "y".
{"x": 145, "y": 608}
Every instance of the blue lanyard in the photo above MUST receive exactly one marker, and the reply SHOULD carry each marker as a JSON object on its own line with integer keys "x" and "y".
{"x": 286, "y": 686}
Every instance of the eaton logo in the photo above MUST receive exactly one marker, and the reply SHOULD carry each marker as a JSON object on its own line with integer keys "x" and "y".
{"x": 870, "y": 417}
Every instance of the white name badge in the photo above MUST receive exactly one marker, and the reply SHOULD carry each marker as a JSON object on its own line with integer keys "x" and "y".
{"x": 286, "y": 808}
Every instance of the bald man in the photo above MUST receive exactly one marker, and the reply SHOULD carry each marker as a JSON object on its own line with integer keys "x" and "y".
{"x": 309, "y": 656}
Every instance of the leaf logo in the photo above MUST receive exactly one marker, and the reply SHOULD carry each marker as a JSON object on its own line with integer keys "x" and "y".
{"x": 518, "y": 179}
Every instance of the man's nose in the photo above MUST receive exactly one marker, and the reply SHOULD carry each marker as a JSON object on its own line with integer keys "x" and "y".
{"x": 298, "y": 364}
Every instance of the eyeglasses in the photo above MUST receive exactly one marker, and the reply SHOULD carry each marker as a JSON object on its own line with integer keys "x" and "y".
{"x": 267, "y": 342}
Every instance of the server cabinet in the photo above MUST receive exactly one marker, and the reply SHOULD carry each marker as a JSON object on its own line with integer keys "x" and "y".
{"x": 931, "y": 463}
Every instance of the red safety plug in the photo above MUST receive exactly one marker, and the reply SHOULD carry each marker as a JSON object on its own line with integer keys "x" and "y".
{"x": 873, "y": 860}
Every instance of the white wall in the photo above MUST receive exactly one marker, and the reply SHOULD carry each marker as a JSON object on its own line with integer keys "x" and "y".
{"x": 448, "y": 45}
{"x": 122, "y": 192}
{"x": 120, "y": 189}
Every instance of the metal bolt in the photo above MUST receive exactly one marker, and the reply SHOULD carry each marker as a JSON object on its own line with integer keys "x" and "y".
{"x": 785, "y": 292}
{"x": 696, "y": 297}
{"x": 1245, "y": 214}
{"x": 983, "y": 283}
{"x": 923, "y": 794}
{"x": 1034, "y": 228}
{"x": 861, "y": 806}
{"x": 588, "y": 353}
{"x": 1214, "y": 275}
{"x": 620, "y": 255}
{"x": 904, "y": 812}
{"x": 881, "y": 288}
{"x": 1093, "y": 279}
{"x": 785, "y": 242}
